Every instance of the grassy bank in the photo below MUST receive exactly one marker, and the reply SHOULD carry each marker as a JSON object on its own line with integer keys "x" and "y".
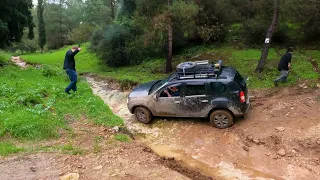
{"x": 89, "y": 62}
{"x": 244, "y": 60}
{"x": 34, "y": 106}
{"x": 4, "y": 57}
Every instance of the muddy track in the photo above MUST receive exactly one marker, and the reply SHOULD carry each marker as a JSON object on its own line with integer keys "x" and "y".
{"x": 314, "y": 65}
{"x": 280, "y": 131}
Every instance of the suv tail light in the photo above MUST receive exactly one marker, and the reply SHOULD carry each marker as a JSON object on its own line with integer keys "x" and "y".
{"x": 242, "y": 97}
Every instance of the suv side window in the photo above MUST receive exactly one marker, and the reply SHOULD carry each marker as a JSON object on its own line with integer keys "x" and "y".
{"x": 239, "y": 80}
{"x": 217, "y": 87}
{"x": 195, "y": 89}
{"x": 173, "y": 90}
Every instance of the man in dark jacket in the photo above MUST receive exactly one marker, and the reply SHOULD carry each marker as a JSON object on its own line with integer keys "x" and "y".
{"x": 70, "y": 67}
{"x": 284, "y": 66}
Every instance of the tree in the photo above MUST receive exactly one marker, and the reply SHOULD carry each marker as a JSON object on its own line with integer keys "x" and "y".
{"x": 82, "y": 34}
{"x": 98, "y": 12}
{"x": 170, "y": 39}
{"x": 271, "y": 29}
{"x": 41, "y": 25}
{"x": 14, "y": 17}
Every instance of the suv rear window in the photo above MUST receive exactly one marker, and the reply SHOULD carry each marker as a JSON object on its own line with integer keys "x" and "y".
{"x": 239, "y": 80}
{"x": 195, "y": 89}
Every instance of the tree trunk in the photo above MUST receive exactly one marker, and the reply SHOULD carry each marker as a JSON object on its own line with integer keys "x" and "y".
{"x": 266, "y": 45}
{"x": 60, "y": 22}
{"x": 112, "y": 6}
{"x": 170, "y": 38}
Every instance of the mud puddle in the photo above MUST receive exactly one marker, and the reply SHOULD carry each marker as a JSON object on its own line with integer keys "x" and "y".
{"x": 251, "y": 149}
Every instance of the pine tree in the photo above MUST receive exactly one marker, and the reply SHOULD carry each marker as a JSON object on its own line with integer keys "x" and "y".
{"x": 42, "y": 30}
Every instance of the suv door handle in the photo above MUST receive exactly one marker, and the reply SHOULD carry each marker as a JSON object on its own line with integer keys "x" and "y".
{"x": 204, "y": 101}
{"x": 177, "y": 102}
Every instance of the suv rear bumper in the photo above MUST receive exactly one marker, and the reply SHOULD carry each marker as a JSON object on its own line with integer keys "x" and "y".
{"x": 244, "y": 110}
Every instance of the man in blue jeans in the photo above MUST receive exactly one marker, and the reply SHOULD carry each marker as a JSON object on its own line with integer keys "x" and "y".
{"x": 284, "y": 66}
{"x": 70, "y": 67}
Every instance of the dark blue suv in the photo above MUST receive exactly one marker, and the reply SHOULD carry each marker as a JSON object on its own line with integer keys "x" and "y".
{"x": 196, "y": 89}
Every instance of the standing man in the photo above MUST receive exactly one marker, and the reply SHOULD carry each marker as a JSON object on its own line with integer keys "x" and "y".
{"x": 70, "y": 67}
{"x": 284, "y": 66}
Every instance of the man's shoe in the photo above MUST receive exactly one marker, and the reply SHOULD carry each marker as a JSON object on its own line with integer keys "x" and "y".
{"x": 67, "y": 91}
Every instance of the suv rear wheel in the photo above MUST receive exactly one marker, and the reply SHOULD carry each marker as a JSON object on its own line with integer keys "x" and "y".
{"x": 221, "y": 119}
{"x": 143, "y": 115}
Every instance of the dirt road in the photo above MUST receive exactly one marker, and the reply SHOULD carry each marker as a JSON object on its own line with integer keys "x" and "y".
{"x": 279, "y": 139}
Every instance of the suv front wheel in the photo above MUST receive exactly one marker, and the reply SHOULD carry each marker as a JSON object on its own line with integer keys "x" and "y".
{"x": 143, "y": 115}
{"x": 221, "y": 119}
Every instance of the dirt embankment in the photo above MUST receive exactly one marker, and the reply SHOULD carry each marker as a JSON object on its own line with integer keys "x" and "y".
{"x": 279, "y": 139}
{"x": 94, "y": 155}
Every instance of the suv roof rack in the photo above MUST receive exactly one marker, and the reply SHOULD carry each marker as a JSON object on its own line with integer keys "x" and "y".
{"x": 198, "y": 70}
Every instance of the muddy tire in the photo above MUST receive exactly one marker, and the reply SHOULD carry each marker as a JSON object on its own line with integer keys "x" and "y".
{"x": 143, "y": 115}
{"x": 221, "y": 119}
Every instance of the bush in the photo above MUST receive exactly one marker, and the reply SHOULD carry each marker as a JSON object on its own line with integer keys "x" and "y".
{"x": 49, "y": 71}
{"x": 113, "y": 46}
{"x": 312, "y": 30}
{"x": 4, "y": 57}
{"x": 254, "y": 31}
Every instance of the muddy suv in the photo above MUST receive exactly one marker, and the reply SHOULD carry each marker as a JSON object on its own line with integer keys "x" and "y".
{"x": 196, "y": 89}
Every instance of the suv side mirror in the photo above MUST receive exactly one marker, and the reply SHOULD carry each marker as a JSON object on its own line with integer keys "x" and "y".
{"x": 156, "y": 96}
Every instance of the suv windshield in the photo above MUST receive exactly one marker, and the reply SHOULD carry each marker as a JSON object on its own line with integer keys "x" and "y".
{"x": 157, "y": 85}
{"x": 160, "y": 83}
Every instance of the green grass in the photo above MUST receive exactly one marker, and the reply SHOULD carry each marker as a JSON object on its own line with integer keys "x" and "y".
{"x": 245, "y": 61}
{"x": 69, "y": 149}
{"x": 9, "y": 148}
{"x": 34, "y": 106}
{"x": 89, "y": 62}
{"x": 121, "y": 137}
{"x": 4, "y": 57}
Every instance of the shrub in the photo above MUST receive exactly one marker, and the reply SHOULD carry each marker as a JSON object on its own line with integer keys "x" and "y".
{"x": 112, "y": 47}
{"x": 49, "y": 71}
{"x": 254, "y": 31}
{"x": 4, "y": 57}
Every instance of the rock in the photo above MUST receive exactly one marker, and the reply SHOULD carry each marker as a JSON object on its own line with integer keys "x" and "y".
{"x": 33, "y": 169}
{"x": 250, "y": 138}
{"x": 280, "y": 129}
{"x": 318, "y": 142}
{"x": 70, "y": 176}
{"x": 246, "y": 148}
{"x": 268, "y": 154}
{"x": 305, "y": 87}
{"x": 257, "y": 141}
{"x": 116, "y": 129}
{"x": 281, "y": 152}
{"x": 97, "y": 167}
